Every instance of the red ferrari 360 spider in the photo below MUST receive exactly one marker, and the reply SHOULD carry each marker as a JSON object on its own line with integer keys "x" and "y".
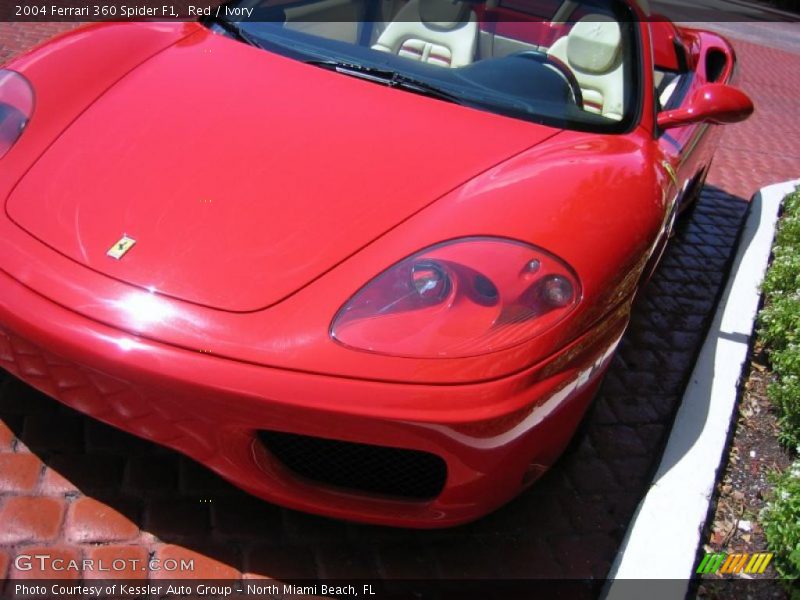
{"x": 364, "y": 259}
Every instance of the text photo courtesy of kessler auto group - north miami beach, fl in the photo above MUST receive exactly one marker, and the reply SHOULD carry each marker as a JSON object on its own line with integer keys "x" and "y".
{"x": 400, "y": 299}
{"x": 181, "y": 590}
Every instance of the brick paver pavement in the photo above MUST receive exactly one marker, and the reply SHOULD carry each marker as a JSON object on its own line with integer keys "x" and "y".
{"x": 766, "y": 148}
{"x": 76, "y": 488}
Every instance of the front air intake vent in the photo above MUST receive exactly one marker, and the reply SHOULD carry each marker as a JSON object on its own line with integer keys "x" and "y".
{"x": 398, "y": 472}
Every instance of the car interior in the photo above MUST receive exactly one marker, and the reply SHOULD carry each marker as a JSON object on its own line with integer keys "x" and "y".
{"x": 456, "y": 33}
{"x": 579, "y": 40}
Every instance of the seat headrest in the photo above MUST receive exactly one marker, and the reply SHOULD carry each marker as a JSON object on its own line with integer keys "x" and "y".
{"x": 444, "y": 15}
{"x": 594, "y": 44}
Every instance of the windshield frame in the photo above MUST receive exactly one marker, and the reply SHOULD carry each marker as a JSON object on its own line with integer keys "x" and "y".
{"x": 309, "y": 48}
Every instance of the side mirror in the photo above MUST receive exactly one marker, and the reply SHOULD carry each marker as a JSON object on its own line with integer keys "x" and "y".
{"x": 710, "y": 103}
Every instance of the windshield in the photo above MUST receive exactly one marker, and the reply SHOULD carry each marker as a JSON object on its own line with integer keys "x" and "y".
{"x": 567, "y": 64}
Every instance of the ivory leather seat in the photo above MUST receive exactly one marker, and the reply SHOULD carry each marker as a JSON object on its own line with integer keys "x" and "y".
{"x": 593, "y": 52}
{"x": 439, "y": 32}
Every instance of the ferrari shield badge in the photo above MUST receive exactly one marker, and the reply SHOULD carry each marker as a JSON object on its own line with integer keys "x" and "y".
{"x": 119, "y": 249}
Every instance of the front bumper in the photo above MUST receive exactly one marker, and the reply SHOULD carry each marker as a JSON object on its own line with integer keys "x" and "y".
{"x": 212, "y": 409}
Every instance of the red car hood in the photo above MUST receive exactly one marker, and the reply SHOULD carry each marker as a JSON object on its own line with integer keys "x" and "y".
{"x": 243, "y": 175}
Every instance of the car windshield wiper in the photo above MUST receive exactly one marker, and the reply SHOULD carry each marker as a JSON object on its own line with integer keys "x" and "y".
{"x": 390, "y": 78}
{"x": 376, "y": 73}
{"x": 425, "y": 88}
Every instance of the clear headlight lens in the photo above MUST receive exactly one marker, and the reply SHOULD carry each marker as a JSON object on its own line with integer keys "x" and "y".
{"x": 464, "y": 297}
{"x": 16, "y": 107}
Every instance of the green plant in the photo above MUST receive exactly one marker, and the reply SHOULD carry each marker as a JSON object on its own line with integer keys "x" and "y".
{"x": 779, "y": 329}
{"x": 785, "y": 394}
{"x": 781, "y": 522}
{"x": 779, "y": 321}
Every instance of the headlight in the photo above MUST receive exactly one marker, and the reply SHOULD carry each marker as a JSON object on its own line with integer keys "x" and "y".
{"x": 16, "y": 107}
{"x": 464, "y": 297}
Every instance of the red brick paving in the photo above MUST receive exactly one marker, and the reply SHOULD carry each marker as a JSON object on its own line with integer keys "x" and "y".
{"x": 764, "y": 149}
{"x": 7, "y": 437}
{"x": 103, "y": 494}
{"x": 19, "y": 472}
{"x": 31, "y": 519}
{"x": 18, "y": 37}
{"x": 90, "y": 520}
{"x": 55, "y": 484}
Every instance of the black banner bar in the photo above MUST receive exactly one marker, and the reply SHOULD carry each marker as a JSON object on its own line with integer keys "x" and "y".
{"x": 273, "y": 10}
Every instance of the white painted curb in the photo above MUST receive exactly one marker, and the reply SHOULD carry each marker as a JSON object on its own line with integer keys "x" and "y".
{"x": 671, "y": 517}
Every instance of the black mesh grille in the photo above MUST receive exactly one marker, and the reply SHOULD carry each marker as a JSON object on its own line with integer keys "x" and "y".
{"x": 363, "y": 467}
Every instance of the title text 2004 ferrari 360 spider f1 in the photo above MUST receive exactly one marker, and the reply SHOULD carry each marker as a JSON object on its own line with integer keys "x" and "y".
{"x": 363, "y": 259}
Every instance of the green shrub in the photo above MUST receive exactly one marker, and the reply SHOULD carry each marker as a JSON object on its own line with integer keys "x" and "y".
{"x": 791, "y": 203}
{"x": 783, "y": 274}
{"x": 779, "y": 321}
{"x": 781, "y": 522}
{"x": 785, "y": 394}
{"x": 779, "y": 329}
